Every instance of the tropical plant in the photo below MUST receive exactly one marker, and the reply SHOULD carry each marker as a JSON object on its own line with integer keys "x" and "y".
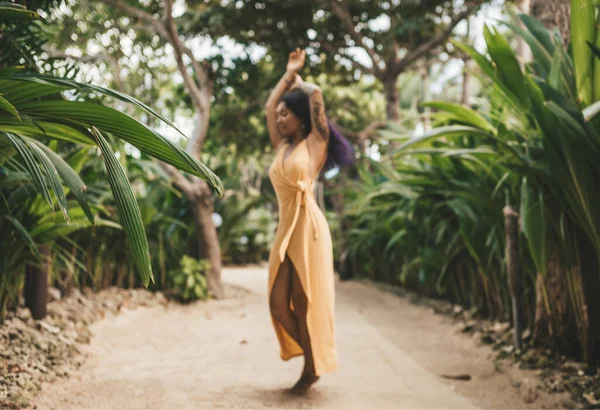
{"x": 190, "y": 279}
{"x": 35, "y": 116}
{"x": 536, "y": 149}
{"x": 248, "y": 223}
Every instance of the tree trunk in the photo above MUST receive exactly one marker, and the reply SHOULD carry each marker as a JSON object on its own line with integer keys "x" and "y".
{"x": 554, "y": 14}
{"x": 523, "y": 50}
{"x": 202, "y": 208}
{"x": 590, "y": 289}
{"x": 36, "y": 284}
{"x": 466, "y": 95}
{"x": 208, "y": 240}
{"x": 511, "y": 227}
{"x": 466, "y": 85}
{"x": 200, "y": 87}
{"x": 425, "y": 72}
{"x": 392, "y": 99}
{"x": 555, "y": 318}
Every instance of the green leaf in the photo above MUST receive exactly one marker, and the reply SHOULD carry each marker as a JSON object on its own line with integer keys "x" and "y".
{"x": 463, "y": 114}
{"x": 16, "y": 12}
{"x": 52, "y": 175}
{"x": 78, "y": 159}
{"x": 71, "y": 179}
{"x": 121, "y": 125}
{"x": 18, "y": 92}
{"x": 6, "y": 71}
{"x": 583, "y": 31}
{"x": 544, "y": 46}
{"x": 440, "y": 132}
{"x": 468, "y": 152}
{"x": 555, "y": 72}
{"x": 596, "y": 65}
{"x": 507, "y": 65}
{"x": 129, "y": 211}
{"x": 25, "y": 235}
{"x": 8, "y": 107}
{"x": 565, "y": 117}
{"x": 480, "y": 59}
{"x": 66, "y": 84}
{"x": 536, "y": 224}
{"x": 45, "y": 129}
{"x": 542, "y": 51}
{"x": 7, "y": 150}
{"x": 32, "y": 167}
{"x": 540, "y": 33}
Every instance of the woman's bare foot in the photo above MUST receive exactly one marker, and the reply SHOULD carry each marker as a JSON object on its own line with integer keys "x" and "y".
{"x": 304, "y": 383}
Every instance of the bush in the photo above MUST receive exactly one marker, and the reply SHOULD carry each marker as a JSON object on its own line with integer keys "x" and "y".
{"x": 190, "y": 279}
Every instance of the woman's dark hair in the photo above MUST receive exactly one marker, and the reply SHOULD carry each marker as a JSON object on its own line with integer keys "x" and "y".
{"x": 339, "y": 151}
{"x": 297, "y": 102}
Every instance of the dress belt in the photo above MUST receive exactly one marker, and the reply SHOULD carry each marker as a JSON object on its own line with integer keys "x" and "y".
{"x": 304, "y": 188}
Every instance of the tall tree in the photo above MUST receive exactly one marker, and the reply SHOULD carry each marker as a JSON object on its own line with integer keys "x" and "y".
{"x": 199, "y": 83}
{"x": 523, "y": 49}
{"x": 554, "y": 14}
{"x": 390, "y": 35}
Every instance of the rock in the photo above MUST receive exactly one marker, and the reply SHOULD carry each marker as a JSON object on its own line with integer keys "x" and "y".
{"x": 591, "y": 398}
{"x": 83, "y": 337}
{"x": 65, "y": 340}
{"x": 500, "y": 327}
{"x": 54, "y": 294}
{"x": 52, "y": 329}
{"x": 75, "y": 293}
{"x": 21, "y": 402}
{"x": 24, "y": 314}
{"x": 508, "y": 349}
{"x": 160, "y": 298}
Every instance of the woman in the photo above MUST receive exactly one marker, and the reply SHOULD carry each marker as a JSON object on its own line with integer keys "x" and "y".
{"x": 301, "y": 282}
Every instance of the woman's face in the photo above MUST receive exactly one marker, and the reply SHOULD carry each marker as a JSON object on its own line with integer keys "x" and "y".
{"x": 288, "y": 123}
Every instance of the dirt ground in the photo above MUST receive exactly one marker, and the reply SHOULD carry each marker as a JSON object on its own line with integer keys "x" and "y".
{"x": 224, "y": 354}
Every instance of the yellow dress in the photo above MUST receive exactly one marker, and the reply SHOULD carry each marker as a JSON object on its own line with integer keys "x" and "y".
{"x": 304, "y": 234}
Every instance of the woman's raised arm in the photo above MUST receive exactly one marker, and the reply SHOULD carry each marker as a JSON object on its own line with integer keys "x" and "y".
{"x": 295, "y": 63}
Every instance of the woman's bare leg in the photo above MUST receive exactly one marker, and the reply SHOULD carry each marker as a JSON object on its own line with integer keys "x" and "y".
{"x": 300, "y": 301}
{"x": 280, "y": 300}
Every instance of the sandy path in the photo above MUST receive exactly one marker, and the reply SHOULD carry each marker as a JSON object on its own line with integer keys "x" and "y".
{"x": 223, "y": 354}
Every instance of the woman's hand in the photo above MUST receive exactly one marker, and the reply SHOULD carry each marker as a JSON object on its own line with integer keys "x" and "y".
{"x": 297, "y": 82}
{"x": 296, "y": 60}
